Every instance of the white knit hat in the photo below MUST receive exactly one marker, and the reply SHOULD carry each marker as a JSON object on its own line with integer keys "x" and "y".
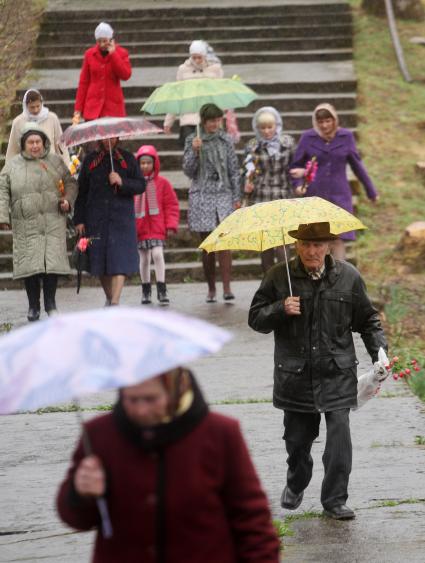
{"x": 103, "y": 31}
{"x": 198, "y": 47}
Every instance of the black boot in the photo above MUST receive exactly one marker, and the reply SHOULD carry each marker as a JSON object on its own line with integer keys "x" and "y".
{"x": 161, "y": 289}
{"x": 146, "y": 293}
{"x": 50, "y": 282}
{"x": 32, "y": 287}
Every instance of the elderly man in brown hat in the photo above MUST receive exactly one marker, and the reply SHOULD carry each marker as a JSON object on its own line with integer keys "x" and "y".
{"x": 315, "y": 360}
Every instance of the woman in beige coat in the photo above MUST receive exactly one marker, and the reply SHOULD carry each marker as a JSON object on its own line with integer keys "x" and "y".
{"x": 36, "y": 193}
{"x": 200, "y": 64}
{"x": 34, "y": 111}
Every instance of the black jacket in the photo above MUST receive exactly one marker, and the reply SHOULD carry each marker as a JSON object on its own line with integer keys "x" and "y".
{"x": 315, "y": 360}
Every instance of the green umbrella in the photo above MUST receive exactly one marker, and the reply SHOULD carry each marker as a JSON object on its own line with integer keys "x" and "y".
{"x": 188, "y": 96}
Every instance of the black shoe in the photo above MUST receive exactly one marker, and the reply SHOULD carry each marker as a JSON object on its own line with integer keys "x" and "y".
{"x": 161, "y": 288}
{"x": 33, "y": 314}
{"x": 341, "y": 512}
{"x": 50, "y": 307}
{"x": 146, "y": 293}
{"x": 290, "y": 500}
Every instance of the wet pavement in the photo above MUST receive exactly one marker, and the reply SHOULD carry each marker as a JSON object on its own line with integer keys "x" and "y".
{"x": 387, "y": 486}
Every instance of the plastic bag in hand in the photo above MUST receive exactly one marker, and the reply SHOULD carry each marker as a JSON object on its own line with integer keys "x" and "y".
{"x": 370, "y": 382}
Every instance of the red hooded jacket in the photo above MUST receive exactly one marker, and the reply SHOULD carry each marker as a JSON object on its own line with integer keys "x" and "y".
{"x": 99, "y": 91}
{"x": 155, "y": 226}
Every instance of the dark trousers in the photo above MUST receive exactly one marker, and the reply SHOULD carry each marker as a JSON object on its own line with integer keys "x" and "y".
{"x": 33, "y": 287}
{"x": 301, "y": 429}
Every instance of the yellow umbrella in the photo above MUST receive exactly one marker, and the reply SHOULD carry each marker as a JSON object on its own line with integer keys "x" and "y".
{"x": 266, "y": 225}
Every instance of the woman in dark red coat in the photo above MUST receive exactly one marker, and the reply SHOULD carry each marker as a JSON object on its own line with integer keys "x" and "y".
{"x": 99, "y": 91}
{"x": 179, "y": 482}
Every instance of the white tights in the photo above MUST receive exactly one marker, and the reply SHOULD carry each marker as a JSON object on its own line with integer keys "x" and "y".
{"x": 157, "y": 255}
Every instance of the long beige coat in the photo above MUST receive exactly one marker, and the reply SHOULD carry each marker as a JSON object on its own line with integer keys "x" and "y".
{"x": 29, "y": 196}
{"x": 51, "y": 126}
{"x": 187, "y": 71}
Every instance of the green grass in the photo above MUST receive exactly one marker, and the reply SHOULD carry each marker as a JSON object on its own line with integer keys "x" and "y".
{"x": 391, "y": 140}
{"x": 420, "y": 440}
{"x": 386, "y": 503}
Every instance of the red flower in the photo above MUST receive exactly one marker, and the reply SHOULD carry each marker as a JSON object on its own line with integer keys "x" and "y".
{"x": 83, "y": 244}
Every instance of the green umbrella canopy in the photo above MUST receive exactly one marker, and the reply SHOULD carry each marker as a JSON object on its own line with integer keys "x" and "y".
{"x": 188, "y": 96}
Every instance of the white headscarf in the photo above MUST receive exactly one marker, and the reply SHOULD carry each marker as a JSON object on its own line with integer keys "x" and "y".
{"x": 271, "y": 145}
{"x": 41, "y": 115}
{"x": 198, "y": 47}
{"x": 103, "y": 31}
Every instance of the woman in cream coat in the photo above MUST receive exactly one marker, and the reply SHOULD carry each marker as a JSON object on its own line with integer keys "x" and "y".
{"x": 202, "y": 63}
{"x": 34, "y": 111}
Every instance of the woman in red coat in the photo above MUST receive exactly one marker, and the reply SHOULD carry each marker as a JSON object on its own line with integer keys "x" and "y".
{"x": 157, "y": 217}
{"x": 179, "y": 482}
{"x": 99, "y": 91}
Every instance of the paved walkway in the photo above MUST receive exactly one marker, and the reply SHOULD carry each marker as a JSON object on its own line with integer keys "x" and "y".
{"x": 388, "y": 466}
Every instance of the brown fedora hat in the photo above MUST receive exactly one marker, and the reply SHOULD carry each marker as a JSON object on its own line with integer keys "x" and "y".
{"x": 313, "y": 231}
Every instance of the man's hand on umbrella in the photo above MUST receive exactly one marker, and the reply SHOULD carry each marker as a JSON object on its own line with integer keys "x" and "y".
{"x": 89, "y": 479}
{"x": 292, "y": 306}
{"x": 196, "y": 144}
{"x": 115, "y": 179}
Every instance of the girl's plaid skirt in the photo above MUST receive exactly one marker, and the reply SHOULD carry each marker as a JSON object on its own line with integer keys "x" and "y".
{"x": 149, "y": 243}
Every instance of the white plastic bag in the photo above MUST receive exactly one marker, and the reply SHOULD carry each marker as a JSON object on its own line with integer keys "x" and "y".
{"x": 370, "y": 382}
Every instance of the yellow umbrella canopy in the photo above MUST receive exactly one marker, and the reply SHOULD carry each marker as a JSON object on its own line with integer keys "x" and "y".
{"x": 266, "y": 225}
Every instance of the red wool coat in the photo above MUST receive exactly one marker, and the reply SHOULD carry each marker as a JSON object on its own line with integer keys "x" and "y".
{"x": 155, "y": 226}
{"x": 213, "y": 507}
{"x": 99, "y": 91}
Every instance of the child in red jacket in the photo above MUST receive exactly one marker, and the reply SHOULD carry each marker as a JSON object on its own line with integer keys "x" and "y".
{"x": 157, "y": 217}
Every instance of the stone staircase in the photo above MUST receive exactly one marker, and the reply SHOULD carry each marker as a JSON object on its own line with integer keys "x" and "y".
{"x": 246, "y": 39}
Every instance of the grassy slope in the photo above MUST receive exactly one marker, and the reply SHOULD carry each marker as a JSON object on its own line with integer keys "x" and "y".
{"x": 392, "y": 129}
{"x": 19, "y": 23}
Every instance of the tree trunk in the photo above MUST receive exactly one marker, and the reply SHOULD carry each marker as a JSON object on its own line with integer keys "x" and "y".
{"x": 404, "y": 9}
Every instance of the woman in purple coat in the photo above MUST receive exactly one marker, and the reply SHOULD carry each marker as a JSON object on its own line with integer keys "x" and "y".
{"x": 334, "y": 147}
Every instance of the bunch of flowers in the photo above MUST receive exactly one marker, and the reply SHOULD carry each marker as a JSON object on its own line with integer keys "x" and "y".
{"x": 310, "y": 170}
{"x": 74, "y": 167}
{"x": 399, "y": 370}
{"x": 83, "y": 243}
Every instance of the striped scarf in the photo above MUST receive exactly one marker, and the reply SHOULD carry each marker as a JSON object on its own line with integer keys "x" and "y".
{"x": 150, "y": 195}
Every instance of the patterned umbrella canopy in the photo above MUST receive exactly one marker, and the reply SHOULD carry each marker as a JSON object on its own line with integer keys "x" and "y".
{"x": 188, "y": 96}
{"x": 108, "y": 128}
{"x": 70, "y": 355}
{"x": 266, "y": 225}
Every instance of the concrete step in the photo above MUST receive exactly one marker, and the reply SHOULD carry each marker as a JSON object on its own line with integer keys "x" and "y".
{"x": 182, "y": 12}
{"x": 260, "y": 87}
{"x": 210, "y": 34}
{"x": 81, "y": 24}
{"x": 282, "y": 102}
{"x": 241, "y": 57}
{"x": 175, "y": 272}
{"x": 143, "y": 48}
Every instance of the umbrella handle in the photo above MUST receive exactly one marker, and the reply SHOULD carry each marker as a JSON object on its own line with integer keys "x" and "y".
{"x": 286, "y": 262}
{"x": 110, "y": 156}
{"x": 101, "y": 504}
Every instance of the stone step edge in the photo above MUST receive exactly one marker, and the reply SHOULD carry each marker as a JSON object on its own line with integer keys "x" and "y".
{"x": 134, "y": 57}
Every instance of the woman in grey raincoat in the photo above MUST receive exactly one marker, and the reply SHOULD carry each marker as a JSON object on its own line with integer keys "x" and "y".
{"x": 266, "y": 167}
{"x": 210, "y": 162}
{"x": 36, "y": 193}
